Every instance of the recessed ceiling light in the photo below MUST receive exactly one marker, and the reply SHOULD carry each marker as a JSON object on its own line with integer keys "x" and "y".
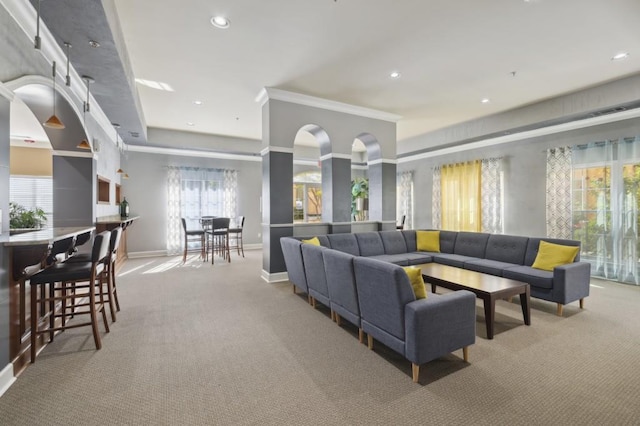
{"x": 485, "y": 100}
{"x": 394, "y": 74}
{"x": 620, "y": 56}
{"x": 220, "y": 22}
{"x": 197, "y": 102}
{"x": 94, "y": 43}
{"x": 189, "y": 123}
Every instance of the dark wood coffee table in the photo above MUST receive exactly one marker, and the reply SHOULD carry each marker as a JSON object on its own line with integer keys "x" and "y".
{"x": 487, "y": 287}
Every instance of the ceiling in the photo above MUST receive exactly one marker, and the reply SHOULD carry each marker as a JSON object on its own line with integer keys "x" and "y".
{"x": 451, "y": 54}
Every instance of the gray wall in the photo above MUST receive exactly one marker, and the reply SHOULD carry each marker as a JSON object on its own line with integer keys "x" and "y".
{"x": 524, "y": 174}
{"x": 146, "y": 191}
{"x": 4, "y": 231}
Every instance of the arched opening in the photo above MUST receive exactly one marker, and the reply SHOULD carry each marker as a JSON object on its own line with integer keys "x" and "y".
{"x": 310, "y": 144}
{"x": 34, "y": 152}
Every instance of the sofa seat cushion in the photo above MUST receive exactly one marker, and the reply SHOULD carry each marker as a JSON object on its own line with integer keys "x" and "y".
{"x": 417, "y": 258}
{"x": 456, "y": 260}
{"x": 527, "y": 274}
{"x": 491, "y": 267}
{"x": 398, "y": 259}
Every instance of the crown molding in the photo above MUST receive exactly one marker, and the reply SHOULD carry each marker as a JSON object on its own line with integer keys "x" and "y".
{"x": 73, "y": 154}
{"x": 382, "y": 160}
{"x": 193, "y": 153}
{"x": 282, "y": 149}
{"x": 269, "y": 93}
{"x": 543, "y": 131}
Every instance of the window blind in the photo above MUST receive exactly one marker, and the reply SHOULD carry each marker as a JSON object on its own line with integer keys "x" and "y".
{"x": 31, "y": 192}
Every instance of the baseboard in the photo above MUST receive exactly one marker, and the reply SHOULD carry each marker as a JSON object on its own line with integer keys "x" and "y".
{"x": 141, "y": 254}
{"x": 6, "y": 378}
{"x": 275, "y": 277}
{"x": 257, "y": 246}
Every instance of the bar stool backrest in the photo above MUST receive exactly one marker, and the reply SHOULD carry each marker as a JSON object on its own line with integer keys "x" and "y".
{"x": 220, "y": 223}
{"x": 116, "y": 234}
{"x": 100, "y": 247}
{"x": 60, "y": 247}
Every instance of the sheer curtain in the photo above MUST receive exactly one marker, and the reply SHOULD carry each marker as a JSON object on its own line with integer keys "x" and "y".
{"x": 559, "y": 192}
{"x": 492, "y": 195}
{"x": 195, "y": 192}
{"x": 460, "y": 196}
{"x": 404, "y": 205}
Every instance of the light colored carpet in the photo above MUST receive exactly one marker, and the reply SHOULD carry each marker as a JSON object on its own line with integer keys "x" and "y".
{"x": 202, "y": 344}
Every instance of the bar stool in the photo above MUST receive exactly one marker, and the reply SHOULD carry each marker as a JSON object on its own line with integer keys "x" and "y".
{"x": 235, "y": 234}
{"x": 114, "y": 243}
{"x": 69, "y": 274}
{"x": 219, "y": 233}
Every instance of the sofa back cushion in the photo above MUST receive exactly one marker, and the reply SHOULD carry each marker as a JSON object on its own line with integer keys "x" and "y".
{"x": 383, "y": 292}
{"x": 370, "y": 243}
{"x": 314, "y": 268}
{"x": 293, "y": 261}
{"x": 534, "y": 244}
{"x": 346, "y": 243}
{"x": 448, "y": 241}
{"x": 472, "y": 244}
{"x": 506, "y": 248}
{"x": 410, "y": 240}
{"x": 341, "y": 280}
{"x": 324, "y": 241}
{"x": 393, "y": 242}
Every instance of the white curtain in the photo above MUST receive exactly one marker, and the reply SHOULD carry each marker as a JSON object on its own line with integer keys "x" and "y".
{"x": 174, "y": 242}
{"x": 491, "y": 195}
{"x": 195, "y": 192}
{"x": 404, "y": 204}
{"x": 436, "y": 202}
{"x": 559, "y": 192}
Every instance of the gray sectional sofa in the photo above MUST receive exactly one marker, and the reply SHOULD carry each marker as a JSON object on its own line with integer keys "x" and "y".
{"x": 377, "y": 298}
{"x": 508, "y": 256}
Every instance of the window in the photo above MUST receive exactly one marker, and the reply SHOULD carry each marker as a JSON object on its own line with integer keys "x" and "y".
{"x": 194, "y": 192}
{"x": 31, "y": 192}
{"x": 307, "y": 197}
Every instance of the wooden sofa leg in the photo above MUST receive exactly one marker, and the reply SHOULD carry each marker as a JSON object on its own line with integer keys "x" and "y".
{"x": 360, "y": 335}
{"x": 560, "y": 306}
{"x": 313, "y": 302}
{"x": 465, "y": 353}
{"x": 582, "y": 303}
{"x": 415, "y": 372}
{"x": 293, "y": 286}
{"x": 337, "y": 317}
{"x": 370, "y": 342}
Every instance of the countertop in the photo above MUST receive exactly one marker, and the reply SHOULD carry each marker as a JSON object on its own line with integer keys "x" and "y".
{"x": 44, "y": 236}
{"x": 106, "y": 220}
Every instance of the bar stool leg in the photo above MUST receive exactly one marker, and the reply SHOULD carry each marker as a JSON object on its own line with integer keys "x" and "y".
{"x": 34, "y": 323}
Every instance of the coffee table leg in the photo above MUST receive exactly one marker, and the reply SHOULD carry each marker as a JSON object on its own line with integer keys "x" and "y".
{"x": 489, "y": 315}
{"x": 524, "y": 302}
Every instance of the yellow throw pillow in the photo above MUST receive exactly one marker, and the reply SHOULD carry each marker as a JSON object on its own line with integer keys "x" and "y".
{"x": 417, "y": 283}
{"x": 551, "y": 255}
{"x": 315, "y": 241}
{"x": 428, "y": 241}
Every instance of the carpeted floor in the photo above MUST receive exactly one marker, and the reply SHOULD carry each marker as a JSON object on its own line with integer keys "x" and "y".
{"x": 201, "y": 344}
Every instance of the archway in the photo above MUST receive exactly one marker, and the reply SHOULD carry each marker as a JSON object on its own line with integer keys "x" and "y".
{"x": 309, "y": 144}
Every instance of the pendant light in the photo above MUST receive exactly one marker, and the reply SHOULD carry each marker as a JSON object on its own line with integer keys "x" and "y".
{"x": 117, "y": 126}
{"x": 36, "y": 42}
{"x": 68, "y": 77}
{"x": 88, "y": 80}
{"x": 54, "y": 122}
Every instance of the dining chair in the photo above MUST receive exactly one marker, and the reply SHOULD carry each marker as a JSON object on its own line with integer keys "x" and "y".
{"x": 235, "y": 234}
{"x": 219, "y": 234}
{"x": 401, "y": 226}
{"x": 193, "y": 235}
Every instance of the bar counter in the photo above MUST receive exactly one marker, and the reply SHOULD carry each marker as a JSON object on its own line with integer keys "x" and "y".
{"x": 108, "y": 223}
{"x": 27, "y": 253}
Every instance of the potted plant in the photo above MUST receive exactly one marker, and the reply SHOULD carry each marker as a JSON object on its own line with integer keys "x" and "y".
{"x": 359, "y": 197}
{"x": 25, "y": 220}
